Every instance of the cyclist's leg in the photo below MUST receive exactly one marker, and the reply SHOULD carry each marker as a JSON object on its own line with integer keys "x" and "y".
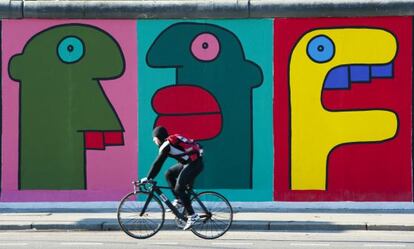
{"x": 171, "y": 175}
{"x": 187, "y": 176}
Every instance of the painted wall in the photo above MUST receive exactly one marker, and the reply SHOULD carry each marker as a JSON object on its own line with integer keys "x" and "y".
{"x": 69, "y": 96}
{"x": 286, "y": 109}
{"x": 343, "y": 90}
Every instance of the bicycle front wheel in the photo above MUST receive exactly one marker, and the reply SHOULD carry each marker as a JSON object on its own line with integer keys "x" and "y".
{"x": 215, "y": 212}
{"x": 135, "y": 222}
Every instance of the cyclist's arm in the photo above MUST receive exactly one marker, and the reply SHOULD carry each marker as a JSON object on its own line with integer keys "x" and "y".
{"x": 159, "y": 161}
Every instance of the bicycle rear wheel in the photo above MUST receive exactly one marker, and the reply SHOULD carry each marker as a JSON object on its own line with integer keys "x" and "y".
{"x": 133, "y": 223}
{"x": 216, "y": 215}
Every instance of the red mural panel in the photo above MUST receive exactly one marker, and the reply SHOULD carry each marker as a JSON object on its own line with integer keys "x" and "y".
{"x": 360, "y": 171}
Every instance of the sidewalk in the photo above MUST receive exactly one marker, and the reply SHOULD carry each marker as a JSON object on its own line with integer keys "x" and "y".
{"x": 260, "y": 220}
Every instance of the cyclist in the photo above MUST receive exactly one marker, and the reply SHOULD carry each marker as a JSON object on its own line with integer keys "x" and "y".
{"x": 190, "y": 164}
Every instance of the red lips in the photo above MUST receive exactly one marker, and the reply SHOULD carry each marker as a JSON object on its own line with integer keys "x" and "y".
{"x": 188, "y": 110}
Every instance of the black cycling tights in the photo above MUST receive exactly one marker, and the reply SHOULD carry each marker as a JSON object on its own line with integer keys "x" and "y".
{"x": 178, "y": 176}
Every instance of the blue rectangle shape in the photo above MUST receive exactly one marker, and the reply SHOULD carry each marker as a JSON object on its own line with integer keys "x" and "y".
{"x": 382, "y": 71}
{"x": 360, "y": 73}
{"x": 337, "y": 78}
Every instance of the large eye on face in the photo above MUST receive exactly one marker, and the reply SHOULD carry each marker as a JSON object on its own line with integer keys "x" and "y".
{"x": 205, "y": 47}
{"x": 321, "y": 49}
{"x": 71, "y": 49}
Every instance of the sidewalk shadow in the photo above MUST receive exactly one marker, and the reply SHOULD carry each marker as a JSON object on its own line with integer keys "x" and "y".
{"x": 250, "y": 225}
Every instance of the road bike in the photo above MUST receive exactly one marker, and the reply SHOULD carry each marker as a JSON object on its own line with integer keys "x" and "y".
{"x": 141, "y": 213}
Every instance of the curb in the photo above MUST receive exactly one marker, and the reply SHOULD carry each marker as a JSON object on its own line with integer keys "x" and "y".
{"x": 315, "y": 226}
{"x": 169, "y": 225}
{"x": 376, "y": 227}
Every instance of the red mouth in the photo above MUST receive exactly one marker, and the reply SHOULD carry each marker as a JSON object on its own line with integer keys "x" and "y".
{"x": 98, "y": 140}
{"x": 188, "y": 110}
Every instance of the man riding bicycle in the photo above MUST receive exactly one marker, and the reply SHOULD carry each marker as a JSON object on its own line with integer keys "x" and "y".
{"x": 190, "y": 164}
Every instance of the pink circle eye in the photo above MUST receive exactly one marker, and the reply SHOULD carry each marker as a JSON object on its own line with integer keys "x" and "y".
{"x": 205, "y": 47}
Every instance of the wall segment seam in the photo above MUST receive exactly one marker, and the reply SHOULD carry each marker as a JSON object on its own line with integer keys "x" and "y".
{"x": 11, "y": 9}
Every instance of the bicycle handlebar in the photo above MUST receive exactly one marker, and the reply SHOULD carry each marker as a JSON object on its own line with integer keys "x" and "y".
{"x": 139, "y": 182}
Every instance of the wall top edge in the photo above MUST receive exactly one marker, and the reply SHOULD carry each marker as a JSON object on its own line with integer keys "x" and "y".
{"x": 157, "y": 9}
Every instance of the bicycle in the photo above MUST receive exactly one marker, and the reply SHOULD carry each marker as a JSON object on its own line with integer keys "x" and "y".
{"x": 141, "y": 214}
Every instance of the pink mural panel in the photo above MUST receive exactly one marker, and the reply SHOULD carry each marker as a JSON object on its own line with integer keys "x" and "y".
{"x": 109, "y": 172}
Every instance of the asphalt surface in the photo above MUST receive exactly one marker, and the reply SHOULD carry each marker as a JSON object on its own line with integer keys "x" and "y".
{"x": 185, "y": 239}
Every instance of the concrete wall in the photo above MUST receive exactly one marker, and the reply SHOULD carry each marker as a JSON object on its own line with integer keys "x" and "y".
{"x": 287, "y": 109}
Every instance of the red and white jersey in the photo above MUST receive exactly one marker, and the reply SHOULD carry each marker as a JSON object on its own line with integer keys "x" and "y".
{"x": 183, "y": 149}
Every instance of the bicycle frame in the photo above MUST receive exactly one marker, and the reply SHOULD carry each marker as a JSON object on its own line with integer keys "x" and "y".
{"x": 156, "y": 190}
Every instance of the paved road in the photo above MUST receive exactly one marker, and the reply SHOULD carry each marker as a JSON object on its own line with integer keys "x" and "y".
{"x": 179, "y": 240}
{"x": 292, "y": 220}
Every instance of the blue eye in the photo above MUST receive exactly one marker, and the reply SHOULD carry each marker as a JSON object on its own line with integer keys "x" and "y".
{"x": 71, "y": 49}
{"x": 321, "y": 49}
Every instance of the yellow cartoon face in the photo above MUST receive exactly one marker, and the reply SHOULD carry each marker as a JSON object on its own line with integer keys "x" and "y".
{"x": 315, "y": 131}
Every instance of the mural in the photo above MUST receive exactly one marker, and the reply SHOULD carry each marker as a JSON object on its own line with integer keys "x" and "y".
{"x": 344, "y": 135}
{"x": 212, "y": 97}
{"x": 66, "y": 102}
{"x": 324, "y": 53}
{"x": 212, "y": 82}
{"x": 316, "y": 109}
{"x": 71, "y": 99}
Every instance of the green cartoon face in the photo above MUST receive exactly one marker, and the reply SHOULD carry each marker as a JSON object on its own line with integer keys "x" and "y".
{"x": 212, "y": 97}
{"x": 63, "y": 65}
{"x": 63, "y": 108}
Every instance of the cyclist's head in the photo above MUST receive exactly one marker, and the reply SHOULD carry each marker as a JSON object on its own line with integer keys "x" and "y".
{"x": 159, "y": 135}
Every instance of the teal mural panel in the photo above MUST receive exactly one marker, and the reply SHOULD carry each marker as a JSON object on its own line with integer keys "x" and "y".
{"x": 237, "y": 136}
